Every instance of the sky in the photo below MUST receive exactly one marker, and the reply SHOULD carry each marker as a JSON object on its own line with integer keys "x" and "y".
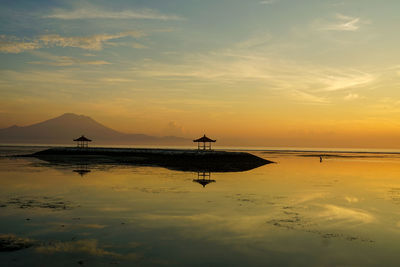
{"x": 273, "y": 73}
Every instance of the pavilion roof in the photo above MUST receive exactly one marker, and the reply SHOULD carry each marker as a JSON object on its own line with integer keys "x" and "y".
{"x": 204, "y": 139}
{"x": 203, "y": 182}
{"x": 83, "y": 138}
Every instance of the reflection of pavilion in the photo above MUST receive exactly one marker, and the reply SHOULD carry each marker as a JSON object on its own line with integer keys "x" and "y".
{"x": 82, "y": 169}
{"x": 203, "y": 178}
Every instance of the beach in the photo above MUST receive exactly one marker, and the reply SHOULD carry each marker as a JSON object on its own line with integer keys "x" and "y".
{"x": 295, "y": 212}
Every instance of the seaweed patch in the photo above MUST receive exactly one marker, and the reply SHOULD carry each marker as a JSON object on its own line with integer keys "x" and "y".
{"x": 37, "y": 202}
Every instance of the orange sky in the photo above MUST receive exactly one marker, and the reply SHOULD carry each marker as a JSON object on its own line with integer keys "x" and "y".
{"x": 258, "y": 73}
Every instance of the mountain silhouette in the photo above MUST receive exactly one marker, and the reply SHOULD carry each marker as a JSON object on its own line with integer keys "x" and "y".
{"x": 65, "y": 128}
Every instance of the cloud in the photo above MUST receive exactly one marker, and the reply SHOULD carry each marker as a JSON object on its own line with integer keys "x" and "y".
{"x": 340, "y": 80}
{"x": 256, "y": 41}
{"x": 351, "y": 96}
{"x": 67, "y": 61}
{"x": 174, "y": 128}
{"x": 343, "y": 23}
{"x": 138, "y": 45}
{"x": 117, "y": 80}
{"x": 93, "y": 42}
{"x": 268, "y": 2}
{"x": 301, "y": 81}
{"x": 12, "y": 44}
{"x": 308, "y": 98}
{"x": 64, "y": 60}
{"x": 96, "y": 13}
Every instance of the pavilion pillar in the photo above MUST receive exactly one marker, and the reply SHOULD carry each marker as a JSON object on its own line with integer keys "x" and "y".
{"x": 204, "y": 143}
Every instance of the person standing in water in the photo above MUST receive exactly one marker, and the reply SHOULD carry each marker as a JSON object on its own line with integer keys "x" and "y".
{"x": 320, "y": 158}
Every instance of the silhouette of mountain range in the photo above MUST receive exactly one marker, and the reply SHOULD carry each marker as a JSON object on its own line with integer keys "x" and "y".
{"x": 65, "y": 128}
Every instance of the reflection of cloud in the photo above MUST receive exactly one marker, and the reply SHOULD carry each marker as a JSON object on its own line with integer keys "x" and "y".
{"x": 10, "y": 242}
{"x": 114, "y": 209}
{"x": 88, "y": 246}
{"x": 12, "y": 44}
{"x": 351, "y": 199}
{"x": 243, "y": 225}
{"x": 333, "y": 212}
{"x": 92, "y": 226}
{"x": 309, "y": 197}
{"x": 60, "y": 227}
{"x": 96, "y": 13}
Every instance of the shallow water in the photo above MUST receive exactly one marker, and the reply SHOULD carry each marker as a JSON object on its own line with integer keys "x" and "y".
{"x": 298, "y": 212}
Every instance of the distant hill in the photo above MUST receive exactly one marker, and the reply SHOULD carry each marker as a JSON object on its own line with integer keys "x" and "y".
{"x": 65, "y": 128}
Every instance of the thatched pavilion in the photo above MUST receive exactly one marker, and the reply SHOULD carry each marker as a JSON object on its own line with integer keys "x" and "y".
{"x": 82, "y": 142}
{"x": 206, "y": 143}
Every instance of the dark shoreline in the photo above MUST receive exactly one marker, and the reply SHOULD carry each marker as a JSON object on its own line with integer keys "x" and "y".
{"x": 238, "y": 149}
{"x": 176, "y": 159}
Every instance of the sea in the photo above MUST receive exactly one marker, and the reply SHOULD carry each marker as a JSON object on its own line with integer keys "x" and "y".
{"x": 312, "y": 207}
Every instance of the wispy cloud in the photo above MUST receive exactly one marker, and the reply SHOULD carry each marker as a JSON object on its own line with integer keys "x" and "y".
{"x": 351, "y": 96}
{"x": 268, "y": 2}
{"x": 301, "y": 81}
{"x": 308, "y": 97}
{"x": 70, "y": 61}
{"x": 343, "y": 23}
{"x": 138, "y": 45}
{"x": 97, "y": 13}
{"x": 174, "y": 128}
{"x": 12, "y": 44}
{"x": 55, "y": 60}
{"x": 340, "y": 80}
{"x": 256, "y": 41}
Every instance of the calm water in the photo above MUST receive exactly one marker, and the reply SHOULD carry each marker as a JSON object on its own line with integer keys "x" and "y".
{"x": 299, "y": 212}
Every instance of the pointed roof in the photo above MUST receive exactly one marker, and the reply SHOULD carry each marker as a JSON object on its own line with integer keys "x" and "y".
{"x": 82, "y": 172}
{"x": 203, "y": 182}
{"x": 204, "y": 139}
{"x": 83, "y": 138}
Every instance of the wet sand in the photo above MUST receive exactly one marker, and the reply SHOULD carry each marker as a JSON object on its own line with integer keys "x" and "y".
{"x": 298, "y": 212}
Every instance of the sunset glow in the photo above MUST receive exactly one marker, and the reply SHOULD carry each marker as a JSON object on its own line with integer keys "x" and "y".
{"x": 274, "y": 73}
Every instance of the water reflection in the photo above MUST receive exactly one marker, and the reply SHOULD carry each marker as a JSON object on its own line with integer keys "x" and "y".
{"x": 204, "y": 178}
{"x": 82, "y": 169}
{"x": 295, "y": 213}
